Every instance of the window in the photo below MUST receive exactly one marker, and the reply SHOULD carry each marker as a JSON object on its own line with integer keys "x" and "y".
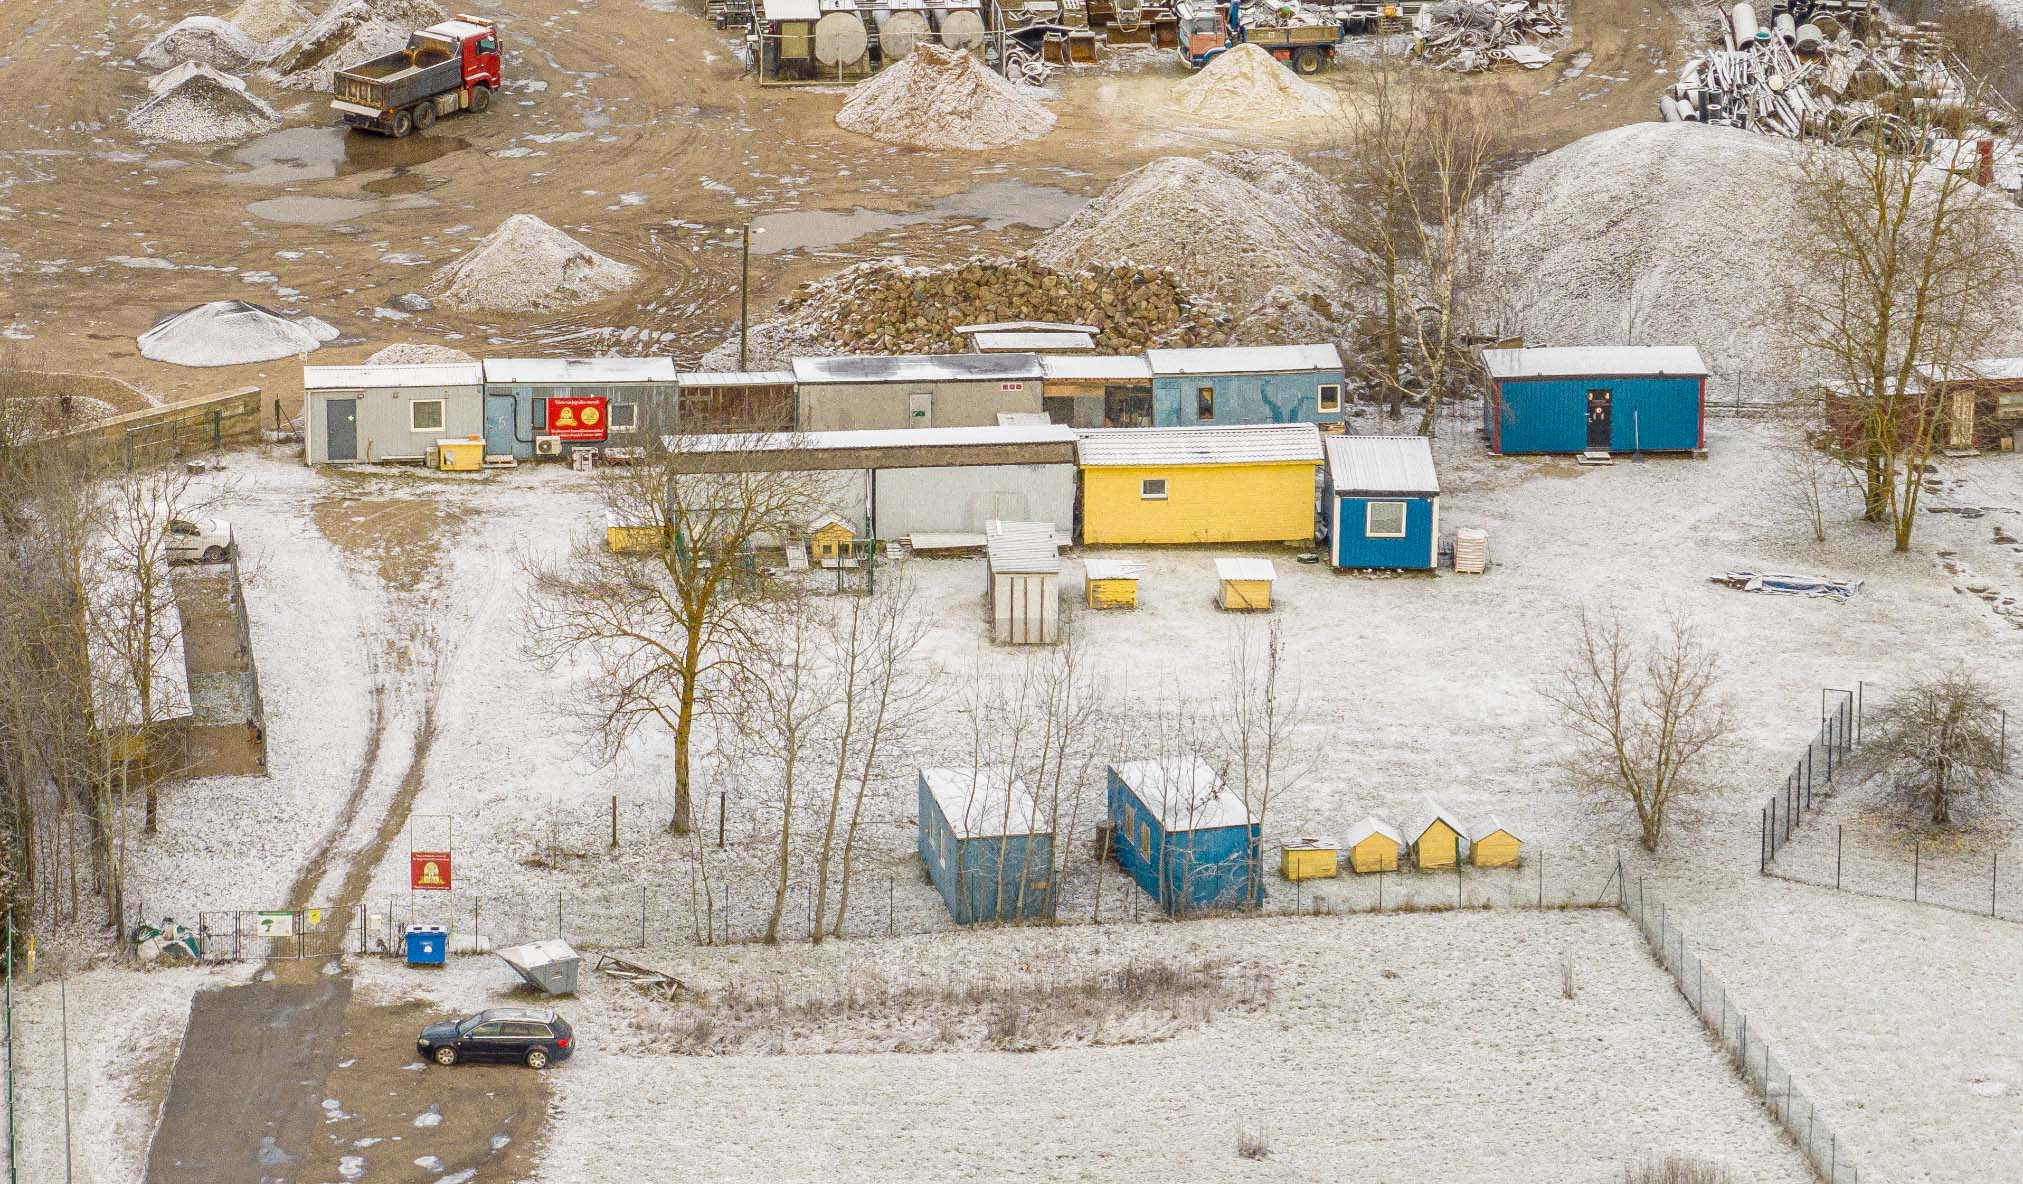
{"x": 624, "y": 416}
{"x": 487, "y": 1030}
{"x": 425, "y": 415}
{"x": 1385, "y": 520}
{"x": 488, "y": 45}
{"x": 1152, "y": 489}
{"x": 1204, "y": 402}
{"x": 1331, "y": 396}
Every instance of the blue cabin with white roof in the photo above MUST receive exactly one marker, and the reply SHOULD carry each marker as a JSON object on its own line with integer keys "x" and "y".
{"x": 1385, "y": 505}
{"x": 1185, "y": 837}
{"x": 1246, "y": 385}
{"x": 1595, "y": 399}
{"x": 986, "y": 845}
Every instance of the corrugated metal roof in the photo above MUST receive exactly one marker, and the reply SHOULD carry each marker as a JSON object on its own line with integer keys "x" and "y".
{"x": 1112, "y": 569}
{"x": 1023, "y": 326}
{"x": 1490, "y": 826}
{"x": 918, "y": 368}
{"x": 323, "y": 378}
{"x": 971, "y": 437}
{"x": 1184, "y": 793}
{"x": 737, "y": 378}
{"x": 1596, "y": 361}
{"x": 983, "y": 803}
{"x": 1104, "y": 368}
{"x": 1022, "y": 548}
{"x": 1245, "y": 569}
{"x": 579, "y": 370}
{"x": 1374, "y": 826}
{"x": 1382, "y": 464}
{"x": 1278, "y": 443}
{"x": 1244, "y": 359}
{"x": 1000, "y": 343}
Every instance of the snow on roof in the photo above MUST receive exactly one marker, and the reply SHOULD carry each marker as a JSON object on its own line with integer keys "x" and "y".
{"x": 1381, "y": 464}
{"x": 327, "y": 378}
{"x": 1022, "y": 548}
{"x": 999, "y": 343}
{"x": 969, "y": 437}
{"x": 579, "y": 370}
{"x": 1244, "y": 359}
{"x": 791, "y": 10}
{"x": 1184, "y": 793}
{"x": 1984, "y": 370}
{"x": 1374, "y": 826}
{"x": 457, "y": 28}
{"x": 982, "y": 803}
{"x": 918, "y": 368}
{"x": 1108, "y": 367}
{"x": 1112, "y": 569}
{"x": 1489, "y": 826}
{"x": 1431, "y": 813}
{"x": 1022, "y": 419}
{"x": 1276, "y": 443}
{"x": 1245, "y": 569}
{"x": 831, "y": 519}
{"x": 1583, "y": 361}
{"x": 738, "y": 378}
{"x": 1025, "y": 326}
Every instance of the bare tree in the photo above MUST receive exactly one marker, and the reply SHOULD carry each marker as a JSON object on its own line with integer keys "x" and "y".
{"x": 784, "y": 703}
{"x": 1641, "y": 713}
{"x": 1259, "y": 730}
{"x": 1939, "y": 745}
{"x": 1808, "y": 475}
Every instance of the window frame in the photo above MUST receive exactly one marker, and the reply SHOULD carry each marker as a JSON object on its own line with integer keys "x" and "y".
{"x": 1329, "y": 397}
{"x": 611, "y": 424}
{"x": 1145, "y": 493}
{"x": 442, "y": 415}
{"x": 1370, "y": 530}
{"x": 1204, "y": 403}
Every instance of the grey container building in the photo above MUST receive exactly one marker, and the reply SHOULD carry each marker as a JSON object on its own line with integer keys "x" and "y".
{"x": 927, "y": 391}
{"x": 376, "y": 413}
{"x": 580, "y": 402}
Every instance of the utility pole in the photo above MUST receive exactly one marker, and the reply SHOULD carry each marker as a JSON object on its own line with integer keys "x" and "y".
{"x": 745, "y": 299}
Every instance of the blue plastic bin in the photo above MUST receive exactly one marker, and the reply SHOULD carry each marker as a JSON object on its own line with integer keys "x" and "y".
{"x": 427, "y": 945}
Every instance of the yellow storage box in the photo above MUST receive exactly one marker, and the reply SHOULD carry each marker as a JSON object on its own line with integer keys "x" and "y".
{"x": 1308, "y": 859}
{"x": 461, "y": 456}
{"x": 1111, "y": 583}
{"x": 1245, "y": 584}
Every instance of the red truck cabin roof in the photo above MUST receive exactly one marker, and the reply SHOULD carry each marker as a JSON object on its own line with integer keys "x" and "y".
{"x": 457, "y": 30}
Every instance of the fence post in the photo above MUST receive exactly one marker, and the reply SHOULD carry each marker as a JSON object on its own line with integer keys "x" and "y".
{"x": 1994, "y": 872}
{"x": 1763, "y": 841}
{"x": 1839, "y": 833}
{"x": 1541, "y": 881}
{"x": 1917, "y": 865}
{"x": 642, "y": 916}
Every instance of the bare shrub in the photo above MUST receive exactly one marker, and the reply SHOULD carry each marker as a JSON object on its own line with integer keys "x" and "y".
{"x": 1252, "y": 1144}
{"x": 1566, "y": 990}
{"x": 1939, "y": 745}
{"x": 1677, "y": 1169}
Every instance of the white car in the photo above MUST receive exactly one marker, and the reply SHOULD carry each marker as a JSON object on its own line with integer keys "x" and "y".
{"x": 199, "y": 540}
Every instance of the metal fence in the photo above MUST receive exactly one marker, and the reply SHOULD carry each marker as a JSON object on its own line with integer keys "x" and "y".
{"x": 1839, "y": 731}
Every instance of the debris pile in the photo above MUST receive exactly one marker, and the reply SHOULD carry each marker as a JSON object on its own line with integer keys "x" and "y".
{"x": 527, "y": 265}
{"x": 194, "y": 104}
{"x": 417, "y": 353}
{"x": 1247, "y": 85}
{"x": 1470, "y": 35}
{"x": 944, "y": 98}
{"x": 266, "y": 20}
{"x": 231, "y": 333}
{"x": 349, "y": 32}
{"x": 216, "y": 43}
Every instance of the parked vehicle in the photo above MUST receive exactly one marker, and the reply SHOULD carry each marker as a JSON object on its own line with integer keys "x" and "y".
{"x": 1207, "y": 29}
{"x": 532, "y": 1036}
{"x": 448, "y": 67}
{"x": 199, "y": 540}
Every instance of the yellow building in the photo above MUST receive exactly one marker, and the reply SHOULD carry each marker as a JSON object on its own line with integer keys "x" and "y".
{"x": 1111, "y": 583}
{"x": 1436, "y": 840}
{"x": 831, "y": 539}
{"x": 1244, "y": 585}
{"x": 1374, "y": 847}
{"x": 1249, "y": 484}
{"x": 1309, "y": 859}
{"x": 1491, "y": 844}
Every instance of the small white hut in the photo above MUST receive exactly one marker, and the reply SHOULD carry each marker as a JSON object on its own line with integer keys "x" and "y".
{"x": 1024, "y": 590}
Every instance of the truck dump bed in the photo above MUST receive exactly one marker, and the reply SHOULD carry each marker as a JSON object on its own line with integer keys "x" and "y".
{"x": 402, "y": 77}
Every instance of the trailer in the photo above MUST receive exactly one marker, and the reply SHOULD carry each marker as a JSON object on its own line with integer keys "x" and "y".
{"x": 1207, "y": 30}
{"x": 447, "y": 67}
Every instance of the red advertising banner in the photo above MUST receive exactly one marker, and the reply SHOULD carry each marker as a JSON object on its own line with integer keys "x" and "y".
{"x": 428, "y": 871}
{"x": 576, "y": 417}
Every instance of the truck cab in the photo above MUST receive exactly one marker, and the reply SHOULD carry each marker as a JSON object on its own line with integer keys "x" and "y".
{"x": 1204, "y": 31}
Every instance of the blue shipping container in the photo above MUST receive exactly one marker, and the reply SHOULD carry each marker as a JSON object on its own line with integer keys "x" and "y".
{"x": 1355, "y": 544}
{"x": 1600, "y": 413}
{"x": 1183, "y": 869}
{"x": 984, "y": 876}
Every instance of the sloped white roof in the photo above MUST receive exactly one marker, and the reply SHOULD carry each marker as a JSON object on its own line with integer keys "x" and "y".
{"x": 1034, "y": 342}
{"x": 1597, "y": 361}
{"x": 1374, "y": 826}
{"x": 1982, "y": 369}
{"x": 327, "y": 378}
{"x": 579, "y": 370}
{"x": 1382, "y": 464}
{"x": 1023, "y": 326}
{"x": 1097, "y": 367}
{"x": 1432, "y": 812}
{"x": 1112, "y": 569}
{"x": 1489, "y": 826}
{"x": 1245, "y": 569}
{"x": 1275, "y": 443}
{"x": 1022, "y": 548}
{"x": 1183, "y": 793}
{"x": 1244, "y": 359}
{"x": 980, "y": 803}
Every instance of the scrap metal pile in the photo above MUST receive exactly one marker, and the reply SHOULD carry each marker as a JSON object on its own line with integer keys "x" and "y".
{"x": 1285, "y": 14}
{"x": 1471, "y": 35}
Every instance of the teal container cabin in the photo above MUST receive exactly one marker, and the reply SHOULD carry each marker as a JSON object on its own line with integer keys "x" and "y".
{"x": 1385, "y": 503}
{"x": 1187, "y": 839}
{"x": 1246, "y": 385}
{"x": 526, "y": 398}
{"x": 1627, "y": 398}
{"x": 983, "y": 842}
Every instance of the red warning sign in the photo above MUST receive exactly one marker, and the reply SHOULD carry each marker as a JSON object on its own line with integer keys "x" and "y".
{"x": 429, "y": 871}
{"x": 576, "y": 418}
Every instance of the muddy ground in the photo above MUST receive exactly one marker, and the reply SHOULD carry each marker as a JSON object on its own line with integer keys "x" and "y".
{"x": 632, "y": 127}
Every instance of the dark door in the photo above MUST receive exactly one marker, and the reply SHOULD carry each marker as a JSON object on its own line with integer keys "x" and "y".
{"x": 1599, "y": 420}
{"x": 340, "y": 429}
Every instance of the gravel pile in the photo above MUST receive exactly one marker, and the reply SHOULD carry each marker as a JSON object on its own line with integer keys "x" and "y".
{"x": 527, "y": 265}
{"x": 1247, "y": 85}
{"x": 266, "y": 20}
{"x": 194, "y": 104}
{"x": 207, "y": 39}
{"x": 415, "y": 353}
{"x": 231, "y": 333}
{"x": 944, "y": 98}
{"x": 349, "y": 32}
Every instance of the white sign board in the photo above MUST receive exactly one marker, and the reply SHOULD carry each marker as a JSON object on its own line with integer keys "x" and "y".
{"x": 276, "y": 924}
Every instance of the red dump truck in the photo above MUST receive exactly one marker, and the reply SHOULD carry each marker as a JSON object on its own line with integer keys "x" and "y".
{"x": 452, "y": 66}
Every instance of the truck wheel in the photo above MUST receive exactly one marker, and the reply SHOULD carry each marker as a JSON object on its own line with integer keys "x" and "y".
{"x": 1307, "y": 61}
{"x": 481, "y": 97}
{"x": 403, "y": 123}
{"x": 424, "y": 115}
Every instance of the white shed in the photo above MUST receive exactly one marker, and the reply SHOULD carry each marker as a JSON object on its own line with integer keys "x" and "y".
{"x": 1024, "y": 591}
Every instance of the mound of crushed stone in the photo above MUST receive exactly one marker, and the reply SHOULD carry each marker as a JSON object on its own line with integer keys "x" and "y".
{"x": 347, "y": 33}
{"x": 527, "y": 265}
{"x": 231, "y": 333}
{"x": 944, "y": 98}
{"x": 1247, "y": 85}
{"x": 265, "y": 20}
{"x": 194, "y": 104}
{"x": 217, "y": 43}
{"x": 417, "y": 353}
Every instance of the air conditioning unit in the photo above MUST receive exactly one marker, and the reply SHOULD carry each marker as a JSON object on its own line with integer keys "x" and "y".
{"x": 547, "y": 446}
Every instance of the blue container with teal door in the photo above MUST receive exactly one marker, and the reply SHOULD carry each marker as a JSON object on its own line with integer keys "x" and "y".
{"x": 1624, "y": 399}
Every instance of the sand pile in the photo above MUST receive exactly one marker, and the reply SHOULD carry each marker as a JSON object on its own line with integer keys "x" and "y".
{"x": 1233, "y": 225}
{"x": 415, "y": 353}
{"x": 265, "y": 20}
{"x": 944, "y": 98}
{"x": 527, "y": 265}
{"x": 1247, "y": 85}
{"x": 349, "y": 32}
{"x": 1685, "y": 230}
{"x": 194, "y": 104}
{"x": 231, "y": 333}
{"x": 207, "y": 39}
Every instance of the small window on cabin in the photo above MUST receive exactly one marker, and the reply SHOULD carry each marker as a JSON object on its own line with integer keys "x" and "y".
{"x": 1152, "y": 489}
{"x": 1385, "y": 520}
{"x": 425, "y": 415}
{"x": 1331, "y": 396}
{"x": 1204, "y": 402}
{"x": 624, "y": 416}
{"x": 488, "y": 45}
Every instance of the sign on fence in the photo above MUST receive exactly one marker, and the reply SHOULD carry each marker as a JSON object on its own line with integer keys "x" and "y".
{"x": 280, "y": 924}
{"x": 428, "y": 871}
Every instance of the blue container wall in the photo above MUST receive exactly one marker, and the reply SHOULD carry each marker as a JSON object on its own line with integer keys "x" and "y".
{"x": 509, "y": 413}
{"x": 1550, "y": 415}
{"x": 1244, "y": 398}
{"x": 1184, "y": 871}
{"x": 979, "y": 878}
{"x": 1354, "y": 548}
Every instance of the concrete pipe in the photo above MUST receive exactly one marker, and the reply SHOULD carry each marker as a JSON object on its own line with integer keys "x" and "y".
{"x": 1787, "y": 30}
{"x": 840, "y": 38}
{"x": 1743, "y": 17}
{"x": 901, "y": 26}
{"x": 1669, "y": 108}
{"x": 1807, "y": 39}
{"x": 960, "y": 28}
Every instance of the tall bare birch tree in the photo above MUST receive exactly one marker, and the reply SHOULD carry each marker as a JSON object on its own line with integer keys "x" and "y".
{"x": 1263, "y": 756}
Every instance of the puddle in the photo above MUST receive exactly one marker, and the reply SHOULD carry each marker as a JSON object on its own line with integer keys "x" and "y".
{"x": 996, "y": 204}
{"x": 402, "y": 181}
{"x": 301, "y": 210}
{"x": 297, "y": 154}
{"x": 999, "y": 204}
{"x": 802, "y": 230}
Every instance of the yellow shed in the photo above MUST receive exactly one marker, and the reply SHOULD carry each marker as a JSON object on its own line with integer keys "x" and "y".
{"x": 623, "y": 536}
{"x": 1249, "y": 484}
{"x": 1436, "y": 840}
{"x": 1491, "y": 844}
{"x": 1244, "y": 585}
{"x": 1374, "y": 846}
{"x": 1111, "y": 583}
{"x": 1309, "y": 859}
{"x": 830, "y": 539}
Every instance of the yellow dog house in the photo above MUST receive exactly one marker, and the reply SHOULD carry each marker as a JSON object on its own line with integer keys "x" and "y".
{"x": 1491, "y": 844}
{"x": 1248, "y": 484}
{"x": 1373, "y": 846}
{"x": 1437, "y": 839}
